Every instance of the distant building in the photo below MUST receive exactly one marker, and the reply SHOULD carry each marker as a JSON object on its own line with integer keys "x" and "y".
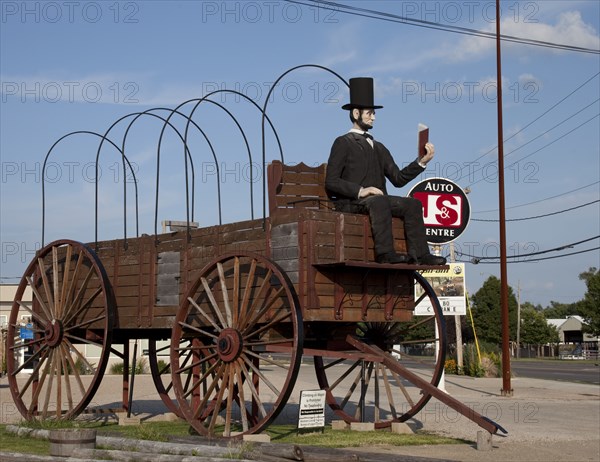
{"x": 575, "y": 341}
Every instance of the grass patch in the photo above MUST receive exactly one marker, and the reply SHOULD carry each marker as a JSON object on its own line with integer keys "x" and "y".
{"x": 9, "y": 442}
{"x": 352, "y": 439}
{"x": 161, "y": 431}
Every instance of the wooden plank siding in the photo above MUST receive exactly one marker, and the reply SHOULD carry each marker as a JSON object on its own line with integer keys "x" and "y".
{"x": 313, "y": 242}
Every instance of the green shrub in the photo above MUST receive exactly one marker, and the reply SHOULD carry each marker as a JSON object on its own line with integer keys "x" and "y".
{"x": 141, "y": 367}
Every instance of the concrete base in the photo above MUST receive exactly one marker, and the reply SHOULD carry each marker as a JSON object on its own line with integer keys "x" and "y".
{"x": 484, "y": 441}
{"x": 258, "y": 438}
{"x": 401, "y": 428}
{"x": 124, "y": 420}
{"x": 362, "y": 426}
{"x": 339, "y": 425}
{"x": 170, "y": 417}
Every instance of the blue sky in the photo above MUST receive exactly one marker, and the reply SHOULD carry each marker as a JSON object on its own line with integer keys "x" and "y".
{"x": 80, "y": 66}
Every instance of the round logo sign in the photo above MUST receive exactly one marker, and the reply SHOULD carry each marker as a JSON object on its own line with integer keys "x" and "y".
{"x": 446, "y": 209}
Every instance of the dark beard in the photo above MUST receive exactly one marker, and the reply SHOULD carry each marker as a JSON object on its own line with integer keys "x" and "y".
{"x": 363, "y": 126}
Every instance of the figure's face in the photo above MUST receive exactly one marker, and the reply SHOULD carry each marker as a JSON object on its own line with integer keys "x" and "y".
{"x": 365, "y": 118}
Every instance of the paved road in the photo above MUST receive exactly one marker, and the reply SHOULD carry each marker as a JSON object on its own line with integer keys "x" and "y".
{"x": 565, "y": 370}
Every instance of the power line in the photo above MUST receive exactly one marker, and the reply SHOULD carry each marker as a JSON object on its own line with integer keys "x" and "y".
{"x": 390, "y": 17}
{"x": 477, "y": 259}
{"x": 531, "y": 140}
{"x": 533, "y": 260}
{"x": 564, "y": 135}
{"x": 542, "y": 216}
{"x": 542, "y": 200}
{"x": 538, "y": 117}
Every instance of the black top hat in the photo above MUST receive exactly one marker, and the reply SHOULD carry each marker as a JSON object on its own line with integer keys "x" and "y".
{"x": 361, "y": 94}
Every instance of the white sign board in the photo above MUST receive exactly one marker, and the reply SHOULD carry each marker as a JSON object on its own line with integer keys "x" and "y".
{"x": 312, "y": 409}
{"x": 449, "y": 286}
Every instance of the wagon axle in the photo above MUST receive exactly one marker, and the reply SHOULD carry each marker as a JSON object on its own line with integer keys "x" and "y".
{"x": 229, "y": 345}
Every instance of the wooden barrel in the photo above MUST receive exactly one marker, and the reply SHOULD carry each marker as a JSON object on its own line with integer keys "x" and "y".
{"x": 64, "y": 441}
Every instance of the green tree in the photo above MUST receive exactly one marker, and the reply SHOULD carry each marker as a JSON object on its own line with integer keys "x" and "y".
{"x": 558, "y": 310}
{"x": 486, "y": 312}
{"x": 535, "y": 330}
{"x": 589, "y": 307}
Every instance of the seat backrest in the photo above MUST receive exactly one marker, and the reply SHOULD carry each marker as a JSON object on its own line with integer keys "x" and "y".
{"x": 296, "y": 186}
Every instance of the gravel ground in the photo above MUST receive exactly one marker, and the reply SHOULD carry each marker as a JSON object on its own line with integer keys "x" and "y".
{"x": 546, "y": 420}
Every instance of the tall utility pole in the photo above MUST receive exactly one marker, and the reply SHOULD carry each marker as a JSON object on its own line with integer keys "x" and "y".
{"x": 519, "y": 319}
{"x": 506, "y": 387}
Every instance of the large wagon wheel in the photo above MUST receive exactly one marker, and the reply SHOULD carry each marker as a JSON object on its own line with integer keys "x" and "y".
{"x": 365, "y": 390}
{"x": 69, "y": 318}
{"x": 236, "y": 346}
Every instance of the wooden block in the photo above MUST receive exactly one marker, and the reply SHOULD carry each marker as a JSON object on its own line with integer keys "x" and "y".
{"x": 484, "y": 441}
{"x": 258, "y": 438}
{"x": 401, "y": 428}
{"x": 362, "y": 426}
{"x": 339, "y": 425}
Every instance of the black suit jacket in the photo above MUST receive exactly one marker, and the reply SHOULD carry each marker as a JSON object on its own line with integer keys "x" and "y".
{"x": 353, "y": 164}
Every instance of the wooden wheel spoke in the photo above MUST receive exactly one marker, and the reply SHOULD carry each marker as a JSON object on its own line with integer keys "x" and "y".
{"x": 40, "y": 300}
{"x": 76, "y": 351}
{"x": 65, "y": 279}
{"x": 187, "y": 368}
{"x": 247, "y": 291}
{"x": 236, "y": 291}
{"x": 37, "y": 316}
{"x": 225, "y": 294}
{"x": 65, "y": 366}
{"x": 267, "y": 306}
{"x": 84, "y": 305}
{"x": 47, "y": 290}
{"x": 219, "y": 399}
{"x": 264, "y": 287}
{"x": 67, "y": 301}
{"x": 344, "y": 375}
{"x": 209, "y": 390}
{"x": 52, "y": 362}
{"x": 334, "y": 363}
{"x": 34, "y": 374}
{"x": 40, "y": 384}
{"x": 26, "y": 344}
{"x": 203, "y": 313}
{"x": 242, "y": 400}
{"x": 267, "y": 360}
{"x": 270, "y": 324}
{"x": 213, "y": 302}
{"x": 403, "y": 389}
{"x": 78, "y": 339}
{"x": 251, "y": 387}
{"x": 388, "y": 391}
{"x": 86, "y": 323}
{"x": 55, "y": 280}
{"x": 266, "y": 342}
{"x": 76, "y": 303}
{"x": 197, "y": 329}
{"x": 257, "y": 372}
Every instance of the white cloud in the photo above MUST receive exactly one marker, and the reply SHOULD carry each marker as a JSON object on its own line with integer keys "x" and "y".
{"x": 569, "y": 29}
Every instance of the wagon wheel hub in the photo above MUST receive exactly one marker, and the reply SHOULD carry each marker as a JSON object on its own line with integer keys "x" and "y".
{"x": 229, "y": 344}
{"x": 53, "y": 333}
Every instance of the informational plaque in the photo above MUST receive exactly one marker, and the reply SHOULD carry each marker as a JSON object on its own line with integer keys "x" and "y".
{"x": 311, "y": 413}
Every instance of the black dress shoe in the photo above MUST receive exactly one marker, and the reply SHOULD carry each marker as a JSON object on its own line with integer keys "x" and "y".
{"x": 432, "y": 260}
{"x": 393, "y": 257}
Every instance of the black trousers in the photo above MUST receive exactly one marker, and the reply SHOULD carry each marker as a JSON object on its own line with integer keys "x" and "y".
{"x": 381, "y": 209}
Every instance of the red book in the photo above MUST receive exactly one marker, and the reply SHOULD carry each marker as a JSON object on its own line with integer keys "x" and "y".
{"x": 423, "y": 139}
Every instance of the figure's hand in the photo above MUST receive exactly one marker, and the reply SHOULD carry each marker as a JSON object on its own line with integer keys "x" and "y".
{"x": 370, "y": 191}
{"x": 430, "y": 148}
